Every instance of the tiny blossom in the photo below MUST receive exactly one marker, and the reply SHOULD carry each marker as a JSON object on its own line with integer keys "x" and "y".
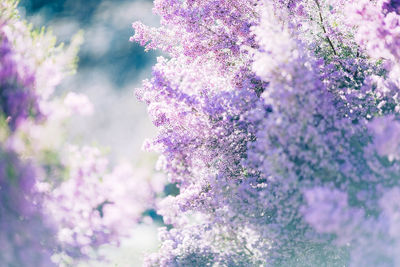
{"x": 79, "y": 104}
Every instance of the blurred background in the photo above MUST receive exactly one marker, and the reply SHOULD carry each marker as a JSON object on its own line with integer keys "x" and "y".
{"x": 110, "y": 68}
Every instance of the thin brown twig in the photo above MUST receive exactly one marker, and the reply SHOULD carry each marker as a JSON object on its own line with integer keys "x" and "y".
{"x": 323, "y": 27}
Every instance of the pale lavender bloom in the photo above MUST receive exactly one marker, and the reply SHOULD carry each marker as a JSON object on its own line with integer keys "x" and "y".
{"x": 95, "y": 206}
{"x": 386, "y": 132}
{"x": 79, "y": 104}
{"x": 377, "y": 27}
{"x": 327, "y": 209}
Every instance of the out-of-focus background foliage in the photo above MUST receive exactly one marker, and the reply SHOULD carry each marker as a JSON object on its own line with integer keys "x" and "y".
{"x": 110, "y": 68}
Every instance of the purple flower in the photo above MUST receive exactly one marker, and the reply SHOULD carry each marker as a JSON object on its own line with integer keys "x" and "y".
{"x": 26, "y": 233}
{"x": 391, "y": 6}
{"x": 18, "y": 99}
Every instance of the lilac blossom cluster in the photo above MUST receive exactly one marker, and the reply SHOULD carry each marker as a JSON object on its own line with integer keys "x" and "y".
{"x": 17, "y": 100}
{"x": 96, "y": 206}
{"x": 278, "y": 121}
{"x": 58, "y": 202}
{"x": 26, "y": 233}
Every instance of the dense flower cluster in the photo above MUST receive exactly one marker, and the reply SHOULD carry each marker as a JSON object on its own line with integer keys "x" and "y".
{"x": 95, "y": 206}
{"x": 26, "y": 234}
{"x": 278, "y": 122}
{"x": 58, "y": 202}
